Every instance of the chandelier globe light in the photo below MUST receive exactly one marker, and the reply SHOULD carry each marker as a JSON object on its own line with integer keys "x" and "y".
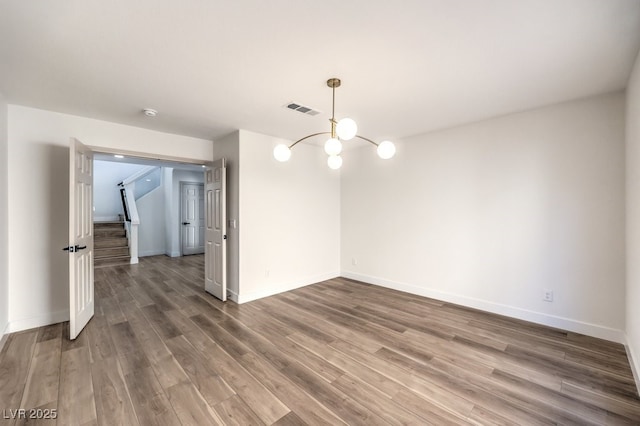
{"x": 282, "y": 152}
{"x": 333, "y": 146}
{"x": 334, "y": 162}
{"x": 343, "y": 130}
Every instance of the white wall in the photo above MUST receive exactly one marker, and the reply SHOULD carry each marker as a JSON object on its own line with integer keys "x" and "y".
{"x": 489, "y": 214}
{"x": 4, "y": 244}
{"x": 152, "y": 228}
{"x": 633, "y": 219}
{"x": 167, "y": 189}
{"x": 289, "y": 218}
{"x": 38, "y": 200}
{"x": 229, "y": 148}
{"x": 106, "y": 192}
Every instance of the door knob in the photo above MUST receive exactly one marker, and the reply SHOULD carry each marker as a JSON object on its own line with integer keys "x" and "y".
{"x": 186, "y": 223}
{"x": 74, "y": 249}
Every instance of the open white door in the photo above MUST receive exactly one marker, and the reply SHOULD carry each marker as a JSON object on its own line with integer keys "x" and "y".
{"x": 215, "y": 248}
{"x": 81, "y": 295}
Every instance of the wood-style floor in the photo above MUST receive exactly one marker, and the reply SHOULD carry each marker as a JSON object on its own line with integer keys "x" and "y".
{"x": 161, "y": 351}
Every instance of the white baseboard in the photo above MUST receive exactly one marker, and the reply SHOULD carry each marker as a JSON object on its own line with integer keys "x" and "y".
{"x": 48, "y": 319}
{"x": 151, "y": 253}
{"x": 281, "y": 288}
{"x": 568, "y": 324}
{"x": 634, "y": 361}
{"x": 174, "y": 254}
{"x": 232, "y": 295}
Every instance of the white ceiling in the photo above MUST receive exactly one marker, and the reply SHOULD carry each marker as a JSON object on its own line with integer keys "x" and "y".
{"x": 211, "y": 66}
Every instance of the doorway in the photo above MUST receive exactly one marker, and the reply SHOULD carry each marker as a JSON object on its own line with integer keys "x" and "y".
{"x": 192, "y": 217}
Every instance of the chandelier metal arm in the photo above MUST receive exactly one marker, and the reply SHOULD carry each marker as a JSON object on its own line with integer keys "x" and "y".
{"x": 367, "y": 139}
{"x": 328, "y": 133}
{"x": 307, "y": 137}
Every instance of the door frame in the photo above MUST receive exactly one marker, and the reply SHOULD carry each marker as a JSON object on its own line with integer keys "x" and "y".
{"x": 97, "y": 149}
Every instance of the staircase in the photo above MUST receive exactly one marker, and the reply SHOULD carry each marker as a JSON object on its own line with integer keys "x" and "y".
{"x": 111, "y": 245}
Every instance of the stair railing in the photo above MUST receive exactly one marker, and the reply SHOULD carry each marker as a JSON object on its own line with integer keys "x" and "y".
{"x": 132, "y": 220}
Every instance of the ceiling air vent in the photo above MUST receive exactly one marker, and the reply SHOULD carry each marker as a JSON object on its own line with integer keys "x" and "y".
{"x": 295, "y": 106}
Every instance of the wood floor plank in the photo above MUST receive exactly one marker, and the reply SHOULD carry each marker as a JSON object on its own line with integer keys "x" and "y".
{"x": 234, "y": 412}
{"x": 148, "y": 398}
{"x": 346, "y": 363}
{"x": 426, "y": 388}
{"x": 321, "y": 367}
{"x": 112, "y": 310}
{"x": 308, "y": 409}
{"x": 42, "y": 383}
{"x": 15, "y": 360}
{"x": 255, "y": 342}
{"x": 344, "y": 407}
{"x": 376, "y": 401}
{"x": 139, "y": 295}
{"x": 99, "y": 339}
{"x": 49, "y": 332}
{"x": 159, "y": 321}
{"x": 205, "y": 378}
{"x": 586, "y": 413}
{"x": 190, "y": 406}
{"x": 76, "y": 403}
{"x": 433, "y": 413}
{"x": 266, "y": 406}
{"x": 621, "y": 407}
{"x": 112, "y": 400}
{"x": 291, "y": 419}
{"x": 226, "y": 341}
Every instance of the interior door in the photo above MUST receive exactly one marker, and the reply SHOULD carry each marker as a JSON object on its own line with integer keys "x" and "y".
{"x": 81, "y": 294}
{"x": 192, "y": 207}
{"x": 215, "y": 250}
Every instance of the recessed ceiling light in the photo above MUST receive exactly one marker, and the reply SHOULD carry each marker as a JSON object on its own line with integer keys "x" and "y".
{"x": 119, "y": 156}
{"x": 150, "y": 112}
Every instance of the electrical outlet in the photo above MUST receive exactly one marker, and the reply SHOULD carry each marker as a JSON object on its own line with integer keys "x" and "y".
{"x": 547, "y": 295}
{"x": 354, "y": 261}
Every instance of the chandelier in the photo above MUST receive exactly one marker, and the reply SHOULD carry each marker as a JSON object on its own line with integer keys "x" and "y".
{"x": 343, "y": 130}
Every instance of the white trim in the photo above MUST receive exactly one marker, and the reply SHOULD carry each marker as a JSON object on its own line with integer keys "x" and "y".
{"x": 151, "y": 253}
{"x": 232, "y": 295}
{"x": 634, "y": 361}
{"x": 39, "y": 321}
{"x": 174, "y": 254}
{"x": 146, "y": 155}
{"x": 270, "y": 291}
{"x": 5, "y": 336}
{"x": 568, "y": 324}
